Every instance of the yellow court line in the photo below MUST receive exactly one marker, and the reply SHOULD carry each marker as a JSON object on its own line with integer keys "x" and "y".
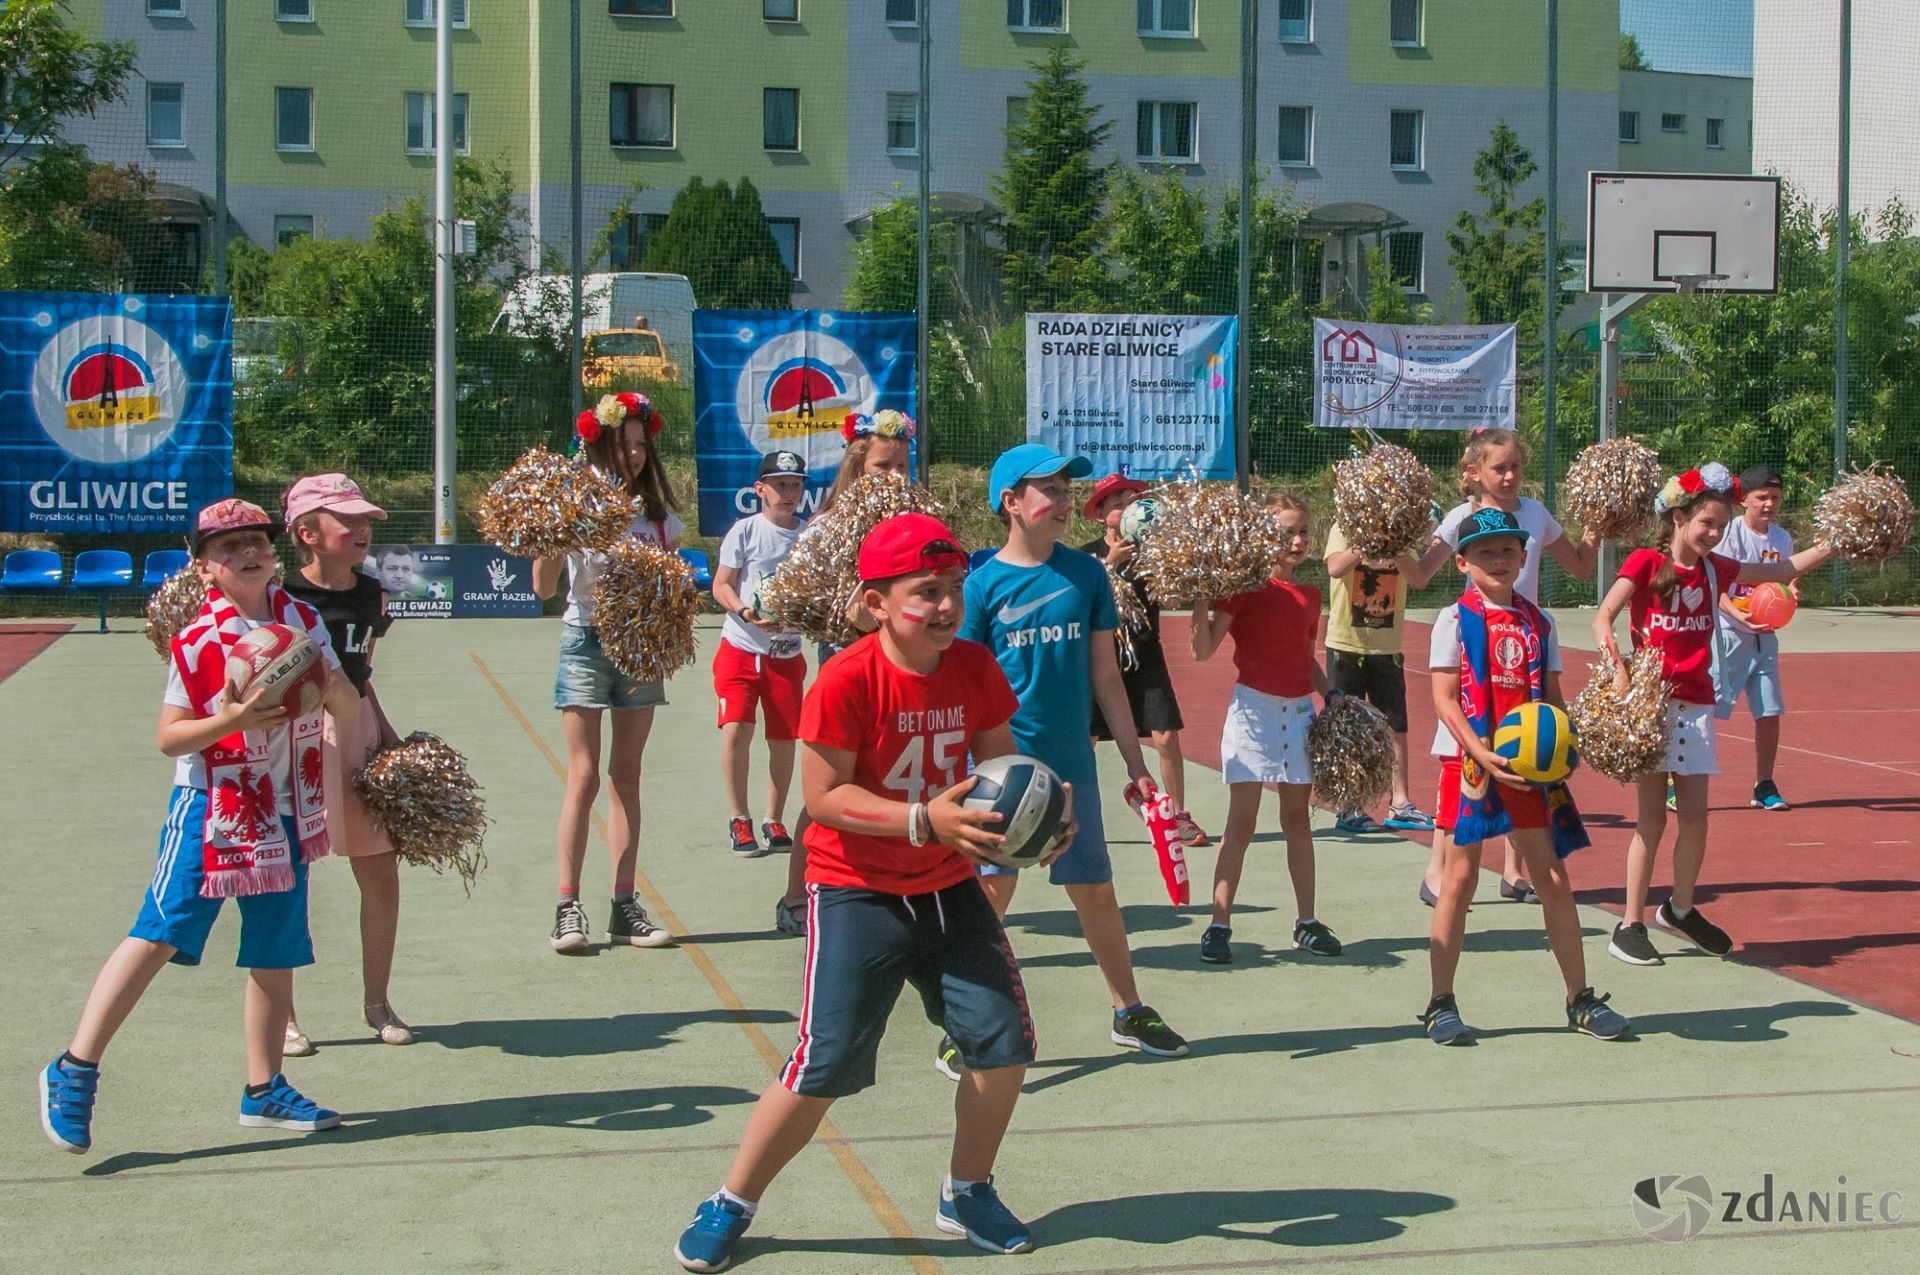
{"x": 884, "y": 1209}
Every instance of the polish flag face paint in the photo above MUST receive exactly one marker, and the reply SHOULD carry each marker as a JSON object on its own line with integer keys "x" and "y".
{"x": 916, "y": 615}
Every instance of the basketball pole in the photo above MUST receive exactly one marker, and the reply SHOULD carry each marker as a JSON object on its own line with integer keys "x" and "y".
{"x": 1614, "y": 308}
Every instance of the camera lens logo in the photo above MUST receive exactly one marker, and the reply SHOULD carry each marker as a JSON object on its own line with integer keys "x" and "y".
{"x": 1673, "y": 1207}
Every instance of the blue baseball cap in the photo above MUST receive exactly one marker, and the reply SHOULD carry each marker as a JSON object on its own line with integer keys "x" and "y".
{"x": 1030, "y": 460}
{"x": 1484, "y": 524}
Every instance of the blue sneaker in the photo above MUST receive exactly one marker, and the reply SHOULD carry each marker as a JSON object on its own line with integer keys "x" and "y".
{"x": 707, "y": 1243}
{"x": 66, "y": 1105}
{"x": 978, "y": 1214}
{"x": 1356, "y": 821}
{"x": 1408, "y": 818}
{"x": 1591, "y": 1014}
{"x": 284, "y": 1107}
{"x": 1766, "y": 796}
{"x": 1443, "y": 1022}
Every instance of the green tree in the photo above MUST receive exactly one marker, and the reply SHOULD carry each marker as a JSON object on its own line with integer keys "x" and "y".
{"x": 51, "y": 72}
{"x": 1632, "y": 57}
{"x": 1054, "y": 192}
{"x": 717, "y": 236}
{"x": 69, "y": 224}
{"x": 886, "y": 262}
{"x": 1497, "y": 256}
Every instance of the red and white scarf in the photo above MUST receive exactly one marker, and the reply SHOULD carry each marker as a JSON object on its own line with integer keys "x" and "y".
{"x": 245, "y": 848}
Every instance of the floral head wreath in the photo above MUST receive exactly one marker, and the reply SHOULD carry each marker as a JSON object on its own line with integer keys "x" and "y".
{"x": 886, "y": 423}
{"x": 615, "y": 410}
{"x": 1711, "y": 479}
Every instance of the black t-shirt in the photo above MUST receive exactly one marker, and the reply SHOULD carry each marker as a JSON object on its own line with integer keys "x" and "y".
{"x": 1145, "y": 645}
{"x": 354, "y": 618}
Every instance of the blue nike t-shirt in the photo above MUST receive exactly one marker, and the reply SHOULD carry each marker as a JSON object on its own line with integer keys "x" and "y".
{"x": 1040, "y": 623}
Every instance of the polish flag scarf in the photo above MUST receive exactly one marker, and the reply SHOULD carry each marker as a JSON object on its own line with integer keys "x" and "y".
{"x": 1482, "y": 814}
{"x": 244, "y": 845}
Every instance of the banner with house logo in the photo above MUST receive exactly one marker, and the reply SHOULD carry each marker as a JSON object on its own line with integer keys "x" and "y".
{"x": 116, "y": 412}
{"x": 772, "y": 380}
{"x": 1385, "y": 376}
{"x": 1143, "y": 394}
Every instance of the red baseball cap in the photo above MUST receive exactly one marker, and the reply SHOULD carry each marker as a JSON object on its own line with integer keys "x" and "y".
{"x": 908, "y": 544}
{"x": 1111, "y": 485}
{"x": 231, "y": 514}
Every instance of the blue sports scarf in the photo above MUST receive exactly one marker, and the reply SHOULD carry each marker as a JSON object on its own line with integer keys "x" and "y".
{"x": 1482, "y": 814}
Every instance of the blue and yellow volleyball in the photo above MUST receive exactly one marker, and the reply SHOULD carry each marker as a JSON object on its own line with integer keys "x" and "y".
{"x": 1536, "y": 741}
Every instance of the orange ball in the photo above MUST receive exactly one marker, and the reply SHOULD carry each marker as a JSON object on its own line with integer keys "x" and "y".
{"x": 1770, "y": 606}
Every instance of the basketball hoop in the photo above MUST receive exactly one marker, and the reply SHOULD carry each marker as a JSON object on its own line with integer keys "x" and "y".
{"x": 1688, "y": 284}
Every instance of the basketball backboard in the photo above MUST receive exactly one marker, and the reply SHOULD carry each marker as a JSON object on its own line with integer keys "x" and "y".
{"x": 1655, "y": 232}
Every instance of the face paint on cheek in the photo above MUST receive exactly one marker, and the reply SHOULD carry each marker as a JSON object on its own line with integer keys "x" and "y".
{"x": 916, "y": 615}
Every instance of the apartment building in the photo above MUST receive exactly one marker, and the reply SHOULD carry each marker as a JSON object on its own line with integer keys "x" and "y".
{"x": 1680, "y": 123}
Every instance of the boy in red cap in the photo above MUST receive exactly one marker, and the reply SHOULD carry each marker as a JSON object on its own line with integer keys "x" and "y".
{"x": 892, "y": 894}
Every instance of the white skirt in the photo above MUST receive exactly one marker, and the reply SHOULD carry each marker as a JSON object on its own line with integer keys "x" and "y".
{"x": 1691, "y": 744}
{"x": 1265, "y": 740}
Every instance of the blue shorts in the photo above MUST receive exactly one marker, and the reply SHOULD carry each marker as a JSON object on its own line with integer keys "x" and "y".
{"x": 862, "y": 945}
{"x": 1750, "y": 666}
{"x": 1086, "y": 861}
{"x": 588, "y": 679}
{"x": 273, "y": 927}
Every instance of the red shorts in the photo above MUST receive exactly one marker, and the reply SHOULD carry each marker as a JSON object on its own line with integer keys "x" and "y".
{"x": 1527, "y": 807}
{"x": 743, "y": 680}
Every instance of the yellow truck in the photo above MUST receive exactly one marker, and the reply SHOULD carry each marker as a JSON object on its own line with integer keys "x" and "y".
{"x": 617, "y": 355}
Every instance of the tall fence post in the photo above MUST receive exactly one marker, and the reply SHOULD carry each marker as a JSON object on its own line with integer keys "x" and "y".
{"x": 221, "y": 284}
{"x": 923, "y": 240}
{"x": 443, "y": 243}
{"x": 576, "y": 213}
{"x": 1550, "y": 325}
{"x": 1842, "y": 246}
{"x": 1243, "y": 357}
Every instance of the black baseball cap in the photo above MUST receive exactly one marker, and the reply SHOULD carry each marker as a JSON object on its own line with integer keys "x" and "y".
{"x": 1487, "y": 523}
{"x": 1754, "y": 477}
{"x": 783, "y": 465}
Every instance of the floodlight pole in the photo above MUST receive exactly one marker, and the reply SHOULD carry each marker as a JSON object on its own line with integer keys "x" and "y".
{"x": 443, "y": 248}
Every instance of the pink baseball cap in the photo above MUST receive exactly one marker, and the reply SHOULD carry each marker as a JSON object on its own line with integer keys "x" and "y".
{"x": 335, "y": 492}
{"x": 231, "y": 514}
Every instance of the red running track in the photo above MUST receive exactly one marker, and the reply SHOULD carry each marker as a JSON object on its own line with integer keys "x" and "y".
{"x": 1827, "y": 893}
{"x": 19, "y": 643}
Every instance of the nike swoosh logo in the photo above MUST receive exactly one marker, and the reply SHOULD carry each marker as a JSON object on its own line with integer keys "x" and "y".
{"x": 1013, "y": 615}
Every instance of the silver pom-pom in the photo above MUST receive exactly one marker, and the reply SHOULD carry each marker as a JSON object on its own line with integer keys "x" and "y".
{"x": 1350, "y": 747}
{"x": 1210, "y": 540}
{"x": 1623, "y": 735}
{"x": 547, "y": 505}
{"x": 173, "y": 606}
{"x": 1610, "y": 488}
{"x": 644, "y": 606}
{"x": 1867, "y": 516}
{"x": 422, "y": 793}
{"x": 1133, "y": 618}
{"x": 813, "y": 588}
{"x": 1383, "y": 500}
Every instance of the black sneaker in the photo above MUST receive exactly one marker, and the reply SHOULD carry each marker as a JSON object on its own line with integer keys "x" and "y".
{"x": 1630, "y": 944}
{"x": 1766, "y": 796}
{"x": 1443, "y": 1023}
{"x": 1216, "y": 945}
{"x": 776, "y": 834}
{"x": 1143, "y": 1030}
{"x": 946, "y": 1059}
{"x": 741, "y": 839}
{"x": 569, "y": 928}
{"x": 1315, "y": 937}
{"x": 1695, "y": 928}
{"x": 631, "y": 925}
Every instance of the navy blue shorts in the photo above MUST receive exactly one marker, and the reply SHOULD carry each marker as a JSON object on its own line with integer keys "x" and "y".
{"x": 862, "y": 945}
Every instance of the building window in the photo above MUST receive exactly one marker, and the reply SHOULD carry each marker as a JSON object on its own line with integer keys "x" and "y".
{"x": 420, "y": 121}
{"x": 1036, "y": 15}
{"x": 1714, "y": 127}
{"x": 1163, "y": 131}
{"x": 163, "y": 115}
{"x": 1164, "y": 17}
{"x": 1629, "y": 126}
{"x": 293, "y": 119}
{"x": 1406, "y": 131}
{"x": 293, "y": 10}
{"x": 1016, "y": 113}
{"x": 1405, "y": 23}
{"x": 1673, "y": 123}
{"x": 423, "y": 13}
{"x": 1296, "y": 135}
{"x": 640, "y": 8}
{"x": 641, "y": 115}
{"x": 288, "y": 227}
{"x": 1407, "y": 259}
{"x": 903, "y": 123}
{"x": 1296, "y": 21}
{"x": 786, "y": 234}
{"x": 628, "y": 247}
{"x": 164, "y": 8}
{"x": 780, "y": 119}
{"x": 780, "y": 10}
{"x": 903, "y": 13}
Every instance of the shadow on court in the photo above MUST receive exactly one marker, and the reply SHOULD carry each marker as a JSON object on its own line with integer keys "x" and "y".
{"x": 1300, "y": 1219}
{"x": 1372, "y": 953}
{"x": 584, "y": 1037}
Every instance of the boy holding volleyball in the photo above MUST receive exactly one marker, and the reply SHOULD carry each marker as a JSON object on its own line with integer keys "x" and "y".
{"x": 1492, "y": 652}
{"x": 1749, "y": 651}
{"x": 246, "y": 817}
{"x": 892, "y": 894}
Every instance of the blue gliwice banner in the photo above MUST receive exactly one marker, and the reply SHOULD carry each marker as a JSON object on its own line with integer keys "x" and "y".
{"x": 116, "y": 412}
{"x": 772, "y": 380}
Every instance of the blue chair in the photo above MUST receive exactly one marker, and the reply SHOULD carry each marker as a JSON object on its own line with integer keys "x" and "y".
{"x": 102, "y": 571}
{"x": 161, "y": 565}
{"x": 981, "y": 557}
{"x": 31, "y": 571}
{"x": 702, "y": 571}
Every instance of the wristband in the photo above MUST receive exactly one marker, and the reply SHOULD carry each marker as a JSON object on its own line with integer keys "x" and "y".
{"x": 915, "y": 836}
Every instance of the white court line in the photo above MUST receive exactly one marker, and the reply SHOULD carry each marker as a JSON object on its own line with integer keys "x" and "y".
{"x": 1792, "y": 844}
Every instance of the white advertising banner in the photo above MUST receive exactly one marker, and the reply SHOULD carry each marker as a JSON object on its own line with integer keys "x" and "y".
{"x": 1386, "y": 376}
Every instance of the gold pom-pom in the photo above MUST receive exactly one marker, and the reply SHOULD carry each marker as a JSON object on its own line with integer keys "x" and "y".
{"x": 1350, "y": 747}
{"x": 1867, "y": 516}
{"x": 1209, "y": 541}
{"x": 547, "y": 505}
{"x": 1383, "y": 500}
{"x": 1133, "y": 618}
{"x": 813, "y": 588}
{"x": 421, "y": 792}
{"x": 173, "y": 606}
{"x": 1610, "y": 489}
{"x": 644, "y": 606}
{"x": 1623, "y": 735}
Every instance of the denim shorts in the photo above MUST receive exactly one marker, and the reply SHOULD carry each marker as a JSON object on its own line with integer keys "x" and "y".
{"x": 588, "y": 679}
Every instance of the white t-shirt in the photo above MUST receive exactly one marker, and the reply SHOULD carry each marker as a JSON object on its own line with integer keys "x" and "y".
{"x": 191, "y": 771}
{"x": 755, "y": 547}
{"x": 585, "y": 565}
{"x": 1743, "y": 544}
{"x": 1443, "y": 653}
{"x": 1542, "y": 530}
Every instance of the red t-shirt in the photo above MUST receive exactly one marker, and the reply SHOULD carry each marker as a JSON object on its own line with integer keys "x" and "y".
{"x": 910, "y": 735}
{"x": 1273, "y": 632}
{"x": 1681, "y": 624}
